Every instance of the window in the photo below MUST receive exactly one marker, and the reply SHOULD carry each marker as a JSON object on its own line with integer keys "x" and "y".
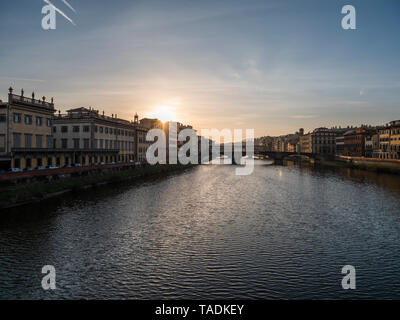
{"x": 2, "y": 142}
{"x": 86, "y": 128}
{"x": 49, "y": 161}
{"x": 39, "y": 140}
{"x": 106, "y": 130}
{"x": 17, "y": 163}
{"x": 101, "y": 129}
{"x": 76, "y": 143}
{"x": 54, "y": 129}
{"x": 86, "y": 143}
{"x": 39, "y": 121}
{"x": 64, "y": 143}
{"x": 48, "y": 122}
{"x": 49, "y": 142}
{"x": 64, "y": 129}
{"x": 17, "y": 140}
{"x": 3, "y": 118}
{"x": 17, "y": 117}
{"x": 75, "y": 129}
{"x": 28, "y": 119}
{"x": 28, "y": 141}
{"x": 101, "y": 143}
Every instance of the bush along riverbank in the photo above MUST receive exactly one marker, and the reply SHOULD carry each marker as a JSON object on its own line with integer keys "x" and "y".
{"x": 374, "y": 165}
{"x": 379, "y": 167}
{"x": 39, "y": 188}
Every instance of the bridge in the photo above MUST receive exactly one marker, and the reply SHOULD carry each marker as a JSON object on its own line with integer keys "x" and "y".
{"x": 280, "y": 155}
{"x": 276, "y": 156}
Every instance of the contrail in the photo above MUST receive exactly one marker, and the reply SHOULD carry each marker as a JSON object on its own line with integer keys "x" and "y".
{"x": 59, "y": 11}
{"x": 68, "y": 5}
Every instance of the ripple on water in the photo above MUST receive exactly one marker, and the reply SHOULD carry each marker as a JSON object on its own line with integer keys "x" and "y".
{"x": 283, "y": 232}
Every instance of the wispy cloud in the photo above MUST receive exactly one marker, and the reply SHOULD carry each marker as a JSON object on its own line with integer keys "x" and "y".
{"x": 60, "y": 12}
{"x": 22, "y": 79}
{"x": 303, "y": 116}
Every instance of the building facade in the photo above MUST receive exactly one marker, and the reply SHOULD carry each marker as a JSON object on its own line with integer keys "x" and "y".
{"x": 305, "y": 143}
{"x": 323, "y": 141}
{"x": 389, "y": 141}
{"x": 86, "y": 137}
{"x": 26, "y": 132}
{"x": 355, "y": 142}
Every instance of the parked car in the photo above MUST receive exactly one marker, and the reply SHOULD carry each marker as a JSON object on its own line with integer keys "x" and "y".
{"x": 16, "y": 170}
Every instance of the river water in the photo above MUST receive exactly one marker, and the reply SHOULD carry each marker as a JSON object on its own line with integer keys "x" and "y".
{"x": 282, "y": 232}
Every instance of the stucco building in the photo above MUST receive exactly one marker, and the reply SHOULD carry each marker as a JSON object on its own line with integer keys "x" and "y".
{"x": 389, "y": 141}
{"x": 26, "y": 132}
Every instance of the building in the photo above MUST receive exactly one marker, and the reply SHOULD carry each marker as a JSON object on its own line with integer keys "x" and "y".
{"x": 151, "y": 123}
{"x": 87, "y": 137}
{"x": 339, "y": 142}
{"x": 324, "y": 141}
{"x": 395, "y": 139}
{"x": 141, "y": 143}
{"x": 389, "y": 141}
{"x": 26, "y": 132}
{"x": 355, "y": 142}
{"x": 305, "y": 143}
{"x": 371, "y": 145}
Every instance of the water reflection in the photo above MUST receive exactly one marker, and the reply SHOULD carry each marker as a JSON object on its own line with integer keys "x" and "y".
{"x": 283, "y": 232}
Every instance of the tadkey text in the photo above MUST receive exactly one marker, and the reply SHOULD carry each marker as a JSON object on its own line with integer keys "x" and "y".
{"x": 202, "y": 309}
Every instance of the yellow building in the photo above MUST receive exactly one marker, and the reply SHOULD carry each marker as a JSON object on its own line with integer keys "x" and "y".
{"x": 25, "y": 132}
{"x": 395, "y": 139}
{"x": 87, "y": 137}
{"x": 305, "y": 143}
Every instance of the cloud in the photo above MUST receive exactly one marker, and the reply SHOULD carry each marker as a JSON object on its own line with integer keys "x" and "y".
{"x": 304, "y": 116}
{"x": 22, "y": 79}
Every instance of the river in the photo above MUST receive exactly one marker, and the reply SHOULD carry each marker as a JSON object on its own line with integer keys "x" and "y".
{"x": 282, "y": 232}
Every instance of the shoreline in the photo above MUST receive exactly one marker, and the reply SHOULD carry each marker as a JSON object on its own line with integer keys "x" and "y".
{"x": 360, "y": 164}
{"x": 23, "y": 194}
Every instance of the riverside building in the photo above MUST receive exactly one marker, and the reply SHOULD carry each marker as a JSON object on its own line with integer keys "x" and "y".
{"x": 389, "y": 141}
{"x": 26, "y": 132}
{"x": 87, "y": 137}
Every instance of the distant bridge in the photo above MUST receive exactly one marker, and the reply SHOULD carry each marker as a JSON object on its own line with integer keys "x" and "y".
{"x": 280, "y": 155}
{"x": 277, "y": 156}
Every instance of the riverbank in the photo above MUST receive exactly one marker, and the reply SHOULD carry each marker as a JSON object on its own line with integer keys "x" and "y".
{"x": 373, "y": 165}
{"x": 41, "y": 189}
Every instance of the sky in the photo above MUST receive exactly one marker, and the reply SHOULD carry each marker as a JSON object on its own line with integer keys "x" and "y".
{"x": 274, "y": 66}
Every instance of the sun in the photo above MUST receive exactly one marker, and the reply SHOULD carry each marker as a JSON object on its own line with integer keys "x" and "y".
{"x": 164, "y": 113}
